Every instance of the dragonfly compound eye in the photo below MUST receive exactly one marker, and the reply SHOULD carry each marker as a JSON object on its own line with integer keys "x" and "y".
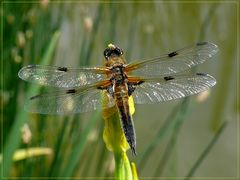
{"x": 112, "y": 52}
{"x": 118, "y": 51}
{"x": 107, "y": 53}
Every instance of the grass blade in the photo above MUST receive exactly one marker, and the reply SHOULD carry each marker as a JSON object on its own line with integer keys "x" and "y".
{"x": 14, "y": 137}
{"x": 78, "y": 149}
{"x": 170, "y": 146}
{"x": 206, "y": 151}
{"x": 168, "y": 125}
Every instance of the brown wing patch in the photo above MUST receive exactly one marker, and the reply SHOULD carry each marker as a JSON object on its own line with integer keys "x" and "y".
{"x": 132, "y": 67}
{"x": 103, "y": 84}
{"x": 135, "y": 80}
{"x": 102, "y": 70}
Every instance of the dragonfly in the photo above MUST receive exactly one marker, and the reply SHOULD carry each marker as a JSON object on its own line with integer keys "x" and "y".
{"x": 150, "y": 81}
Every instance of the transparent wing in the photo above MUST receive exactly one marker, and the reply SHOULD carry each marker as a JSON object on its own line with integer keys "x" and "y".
{"x": 171, "y": 87}
{"x": 61, "y": 76}
{"x": 174, "y": 62}
{"x": 69, "y": 101}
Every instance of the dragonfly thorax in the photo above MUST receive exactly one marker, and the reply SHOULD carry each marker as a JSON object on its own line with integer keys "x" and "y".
{"x": 118, "y": 75}
{"x": 117, "y": 69}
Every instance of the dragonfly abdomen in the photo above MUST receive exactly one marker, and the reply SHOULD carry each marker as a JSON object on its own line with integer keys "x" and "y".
{"x": 121, "y": 97}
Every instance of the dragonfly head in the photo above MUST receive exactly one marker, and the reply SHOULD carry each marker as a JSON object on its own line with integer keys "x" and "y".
{"x": 112, "y": 51}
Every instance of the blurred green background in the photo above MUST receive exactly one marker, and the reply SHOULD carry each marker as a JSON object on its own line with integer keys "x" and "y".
{"x": 174, "y": 139}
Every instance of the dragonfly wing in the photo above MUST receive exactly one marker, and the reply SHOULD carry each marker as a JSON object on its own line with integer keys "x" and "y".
{"x": 174, "y": 62}
{"x": 61, "y": 76}
{"x": 167, "y": 88}
{"x": 69, "y": 101}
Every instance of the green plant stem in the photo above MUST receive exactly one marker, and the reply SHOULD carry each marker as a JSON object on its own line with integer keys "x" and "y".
{"x": 119, "y": 169}
{"x": 122, "y": 166}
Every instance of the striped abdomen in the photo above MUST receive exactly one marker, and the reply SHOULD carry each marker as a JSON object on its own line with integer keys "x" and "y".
{"x": 121, "y": 97}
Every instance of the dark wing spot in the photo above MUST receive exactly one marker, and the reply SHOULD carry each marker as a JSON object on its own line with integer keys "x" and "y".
{"x": 168, "y": 78}
{"x": 34, "y": 97}
{"x": 172, "y": 54}
{"x": 101, "y": 88}
{"x": 71, "y": 91}
{"x": 62, "y": 69}
{"x": 201, "y": 74}
{"x": 140, "y": 82}
{"x": 202, "y": 43}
